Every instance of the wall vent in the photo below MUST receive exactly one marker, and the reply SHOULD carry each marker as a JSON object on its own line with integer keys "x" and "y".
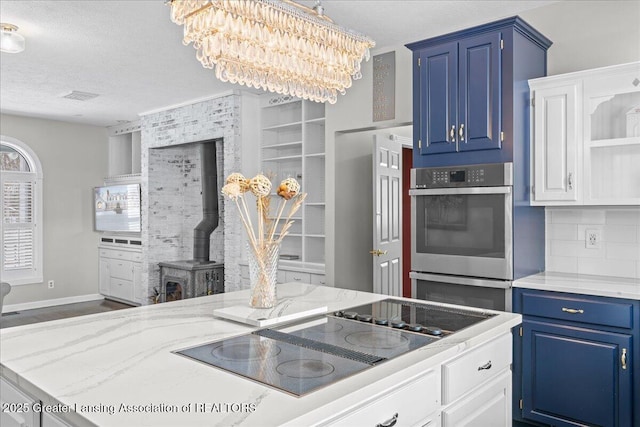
{"x": 80, "y": 96}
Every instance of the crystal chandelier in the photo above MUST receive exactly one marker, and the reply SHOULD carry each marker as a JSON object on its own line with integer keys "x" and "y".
{"x": 275, "y": 45}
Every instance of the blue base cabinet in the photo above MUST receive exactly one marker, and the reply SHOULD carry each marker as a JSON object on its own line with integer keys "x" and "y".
{"x": 573, "y": 360}
{"x": 470, "y": 93}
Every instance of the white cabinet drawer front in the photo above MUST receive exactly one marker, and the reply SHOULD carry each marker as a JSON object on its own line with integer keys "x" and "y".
{"x": 282, "y": 276}
{"x": 414, "y": 403}
{"x": 318, "y": 279}
{"x": 475, "y": 368}
{"x": 489, "y": 406}
{"x": 123, "y": 255}
{"x": 121, "y": 269}
{"x": 122, "y": 289}
{"x": 296, "y": 276}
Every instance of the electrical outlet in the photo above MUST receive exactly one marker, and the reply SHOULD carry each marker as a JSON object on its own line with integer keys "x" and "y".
{"x": 592, "y": 238}
{"x": 51, "y": 284}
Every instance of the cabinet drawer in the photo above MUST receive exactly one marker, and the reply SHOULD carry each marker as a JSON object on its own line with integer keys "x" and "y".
{"x": 296, "y": 276}
{"x": 121, "y": 269}
{"x": 318, "y": 279}
{"x": 578, "y": 308}
{"x": 489, "y": 406}
{"x": 123, "y": 255}
{"x": 122, "y": 289}
{"x": 400, "y": 403}
{"x": 475, "y": 368}
{"x": 21, "y": 412}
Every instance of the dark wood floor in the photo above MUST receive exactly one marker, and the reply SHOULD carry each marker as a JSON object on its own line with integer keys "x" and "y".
{"x": 36, "y": 315}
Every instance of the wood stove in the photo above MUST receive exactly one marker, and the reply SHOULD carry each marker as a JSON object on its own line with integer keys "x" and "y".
{"x": 190, "y": 279}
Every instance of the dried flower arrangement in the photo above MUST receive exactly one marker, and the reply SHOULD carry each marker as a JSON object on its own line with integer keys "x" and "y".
{"x": 263, "y": 240}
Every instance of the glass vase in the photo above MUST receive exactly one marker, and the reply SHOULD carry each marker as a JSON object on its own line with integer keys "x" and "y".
{"x": 263, "y": 274}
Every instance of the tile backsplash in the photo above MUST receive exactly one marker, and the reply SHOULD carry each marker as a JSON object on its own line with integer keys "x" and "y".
{"x": 599, "y": 240}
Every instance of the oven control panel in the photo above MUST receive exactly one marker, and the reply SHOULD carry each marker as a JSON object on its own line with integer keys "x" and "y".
{"x": 484, "y": 175}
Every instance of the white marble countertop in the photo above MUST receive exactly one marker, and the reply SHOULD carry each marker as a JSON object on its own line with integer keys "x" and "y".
{"x": 118, "y": 369}
{"x": 606, "y": 286}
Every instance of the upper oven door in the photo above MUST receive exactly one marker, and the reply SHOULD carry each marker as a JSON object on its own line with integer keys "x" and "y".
{"x": 462, "y": 231}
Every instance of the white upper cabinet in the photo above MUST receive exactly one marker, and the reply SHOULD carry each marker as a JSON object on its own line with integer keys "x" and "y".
{"x": 586, "y": 137}
{"x": 555, "y": 138}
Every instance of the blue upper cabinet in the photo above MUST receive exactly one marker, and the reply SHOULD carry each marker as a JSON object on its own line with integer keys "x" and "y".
{"x": 470, "y": 93}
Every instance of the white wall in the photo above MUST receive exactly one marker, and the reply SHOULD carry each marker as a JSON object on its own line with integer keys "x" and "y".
{"x": 74, "y": 160}
{"x": 585, "y": 34}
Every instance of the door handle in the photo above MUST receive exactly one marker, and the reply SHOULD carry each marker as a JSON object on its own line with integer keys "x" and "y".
{"x": 461, "y": 132}
{"x": 573, "y": 310}
{"x": 377, "y": 252}
{"x": 452, "y": 134}
{"x": 623, "y": 358}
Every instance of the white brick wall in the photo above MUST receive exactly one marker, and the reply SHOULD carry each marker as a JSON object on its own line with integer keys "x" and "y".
{"x": 171, "y": 202}
{"x": 618, "y": 253}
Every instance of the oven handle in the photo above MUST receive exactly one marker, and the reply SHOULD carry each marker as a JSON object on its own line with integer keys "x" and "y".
{"x": 469, "y": 281}
{"x": 468, "y": 190}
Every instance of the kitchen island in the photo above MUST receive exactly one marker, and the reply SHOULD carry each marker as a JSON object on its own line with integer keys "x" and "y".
{"x": 119, "y": 368}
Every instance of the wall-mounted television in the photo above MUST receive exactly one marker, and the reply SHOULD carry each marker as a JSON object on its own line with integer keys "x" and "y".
{"x": 117, "y": 208}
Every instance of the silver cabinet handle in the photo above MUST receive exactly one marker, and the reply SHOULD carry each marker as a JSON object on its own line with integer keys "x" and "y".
{"x": 486, "y": 366}
{"x": 461, "y": 132}
{"x": 572, "y": 310}
{"x": 570, "y": 181}
{"x": 452, "y": 134}
{"x": 623, "y": 358}
{"x": 390, "y": 422}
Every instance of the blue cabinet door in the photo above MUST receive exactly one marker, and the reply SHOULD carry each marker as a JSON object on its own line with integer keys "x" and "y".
{"x": 574, "y": 376}
{"x": 479, "y": 93}
{"x": 437, "y": 118}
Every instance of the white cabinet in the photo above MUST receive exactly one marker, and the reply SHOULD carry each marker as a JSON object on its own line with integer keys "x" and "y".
{"x": 120, "y": 272}
{"x": 17, "y": 407}
{"x": 556, "y": 136}
{"x": 489, "y": 406}
{"x": 411, "y": 404}
{"x": 476, "y": 386}
{"x": 586, "y": 137}
{"x": 292, "y": 145}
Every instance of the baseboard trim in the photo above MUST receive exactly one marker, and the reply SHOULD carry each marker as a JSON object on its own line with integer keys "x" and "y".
{"x": 9, "y": 308}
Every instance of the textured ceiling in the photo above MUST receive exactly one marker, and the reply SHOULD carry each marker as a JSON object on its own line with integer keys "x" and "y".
{"x": 131, "y": 54}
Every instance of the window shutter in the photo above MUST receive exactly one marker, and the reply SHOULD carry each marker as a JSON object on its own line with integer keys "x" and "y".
{"x": 18, "y": 225}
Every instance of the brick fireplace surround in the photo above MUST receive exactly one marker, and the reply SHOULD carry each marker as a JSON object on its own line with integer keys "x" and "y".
{"x": 171, "y": 199}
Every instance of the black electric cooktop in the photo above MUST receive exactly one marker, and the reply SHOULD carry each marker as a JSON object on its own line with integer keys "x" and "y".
{"x": 303, "y": 357}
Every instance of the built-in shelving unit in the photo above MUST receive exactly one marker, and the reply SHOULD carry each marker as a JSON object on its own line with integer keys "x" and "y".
{"x": 292, "y": 145}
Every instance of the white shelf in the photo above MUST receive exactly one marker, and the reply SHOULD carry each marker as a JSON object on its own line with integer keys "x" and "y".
{"x": 293, "y": 145}
{"x": 284, "y": 126}
{"x": 277, "y": 159}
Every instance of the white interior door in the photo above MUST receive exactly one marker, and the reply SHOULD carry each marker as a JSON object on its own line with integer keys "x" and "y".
{"x": 387, "y": 215}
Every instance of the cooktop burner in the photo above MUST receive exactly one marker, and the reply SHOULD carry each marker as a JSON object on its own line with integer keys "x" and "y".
{"x": 427, "y": 319}
{"x": 303, "y": 357}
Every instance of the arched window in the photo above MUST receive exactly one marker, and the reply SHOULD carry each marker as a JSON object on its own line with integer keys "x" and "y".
{"x": 21, "y": 221}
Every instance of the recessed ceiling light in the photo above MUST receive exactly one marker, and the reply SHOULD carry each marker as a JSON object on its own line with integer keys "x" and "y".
{"x": 10, "y": 40}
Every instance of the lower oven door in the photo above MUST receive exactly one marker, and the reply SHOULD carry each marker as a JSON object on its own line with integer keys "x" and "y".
{"x": 463, "y": 231}
{"x": 472, "y": 292}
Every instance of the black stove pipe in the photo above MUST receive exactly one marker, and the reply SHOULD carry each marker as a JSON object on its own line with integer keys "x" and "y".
{"x": 209, "y": 179}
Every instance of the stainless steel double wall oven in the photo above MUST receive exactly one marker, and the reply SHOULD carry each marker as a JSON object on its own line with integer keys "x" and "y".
{"x": 466, "y": 234}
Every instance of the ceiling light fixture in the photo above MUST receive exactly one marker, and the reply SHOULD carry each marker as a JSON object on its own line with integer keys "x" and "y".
{"x": 10, "y": 40}
{"x": 276, "y": 45}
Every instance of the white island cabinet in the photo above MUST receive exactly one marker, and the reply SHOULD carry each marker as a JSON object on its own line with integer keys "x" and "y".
{"x": 120, "y": 368}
